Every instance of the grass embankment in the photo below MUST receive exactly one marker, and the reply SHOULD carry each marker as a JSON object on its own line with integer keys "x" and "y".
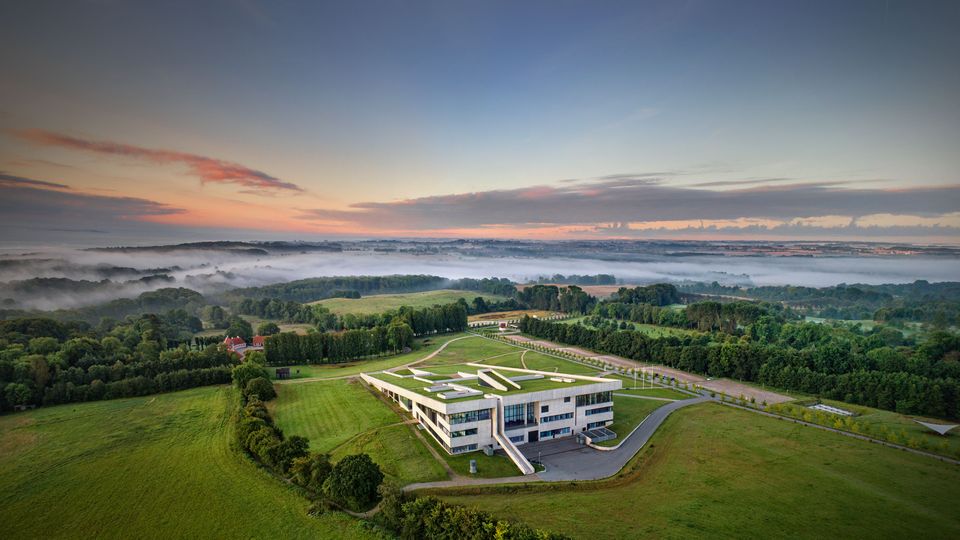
{"x": 884, "y": 425}
{"x": 472, "y": 349}
{"x": 152, "y": 467}
{"x": 712, "y": 471}
{"x": 383, "y": 302}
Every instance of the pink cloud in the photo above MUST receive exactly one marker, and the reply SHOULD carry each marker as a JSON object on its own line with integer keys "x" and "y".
{"x": 206, "y": 168}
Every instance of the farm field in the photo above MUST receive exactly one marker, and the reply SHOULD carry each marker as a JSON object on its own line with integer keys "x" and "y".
{"x": 383, "y": 302}
{"x": 152, "y": 467}
{"x": 717, "y": 472}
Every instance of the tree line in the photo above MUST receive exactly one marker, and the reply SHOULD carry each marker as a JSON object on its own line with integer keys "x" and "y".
{"x": 874, "y": 369}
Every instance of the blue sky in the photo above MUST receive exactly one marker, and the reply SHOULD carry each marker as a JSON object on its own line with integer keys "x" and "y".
{"x": 373, "y": 108}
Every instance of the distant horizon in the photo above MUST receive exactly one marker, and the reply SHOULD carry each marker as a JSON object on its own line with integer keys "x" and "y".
{"x": 698, "y": 120}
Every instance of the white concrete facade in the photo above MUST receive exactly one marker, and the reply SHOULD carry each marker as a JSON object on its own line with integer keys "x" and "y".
{"x": 467, "y": 425}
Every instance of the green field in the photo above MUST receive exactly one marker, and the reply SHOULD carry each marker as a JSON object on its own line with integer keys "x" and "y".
{"x": 422, "y": 348}
{"x": 385, "y": 302}
{"x": 400, "y": 454}
{"x": 627, "y": 414}
{"x": 541, "y": 362}
{"x": 153, "y": 467}
{"x": 329, "y": 413}
{"x": 717, "y": 472}
{"x": 667, "y": 393}
{"x": 473, "y": 349}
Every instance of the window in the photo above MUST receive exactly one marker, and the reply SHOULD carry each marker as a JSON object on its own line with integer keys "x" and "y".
{"x": 554, "y": 418}
{"x": 519, "y": 415}
{"x": 469, "y": 416}
{"x": 566, "y": 399}
{"x": 599, "y": 410}
{"x": 554, "y": 433}
{"x": 463, "y": 433}
{"x": 464, "y": 448}
{"x": 593, "y": 425}
{"x": 593, "y": 399}
{"x": 544, "y": 409}
{"x": 518, "y": 438}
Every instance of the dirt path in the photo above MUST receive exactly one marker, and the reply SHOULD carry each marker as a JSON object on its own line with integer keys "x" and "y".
{"x": 522, "y": 363}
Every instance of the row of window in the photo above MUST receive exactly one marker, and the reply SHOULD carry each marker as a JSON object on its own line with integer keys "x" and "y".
{"x": 593, "y": 425}
{"x": 600, "y": 410}
{"x": 518, "y": 438}
{"x": 463, "y": 433}
{"x": 469, "y": 416}
{"x": 464, "y": 448}
{"x": 555, "y": 417}
{"x": 593, "y": 399}
{"x": 554, "y": 433}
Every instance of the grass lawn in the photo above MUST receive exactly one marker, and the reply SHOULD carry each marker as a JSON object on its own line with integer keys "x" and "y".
{"x": 383, "y": 302}
{"x": 627, "y": 414}
{"x": 510, "y": 315}
{"x": 473, "y": 349}
{"x": 717, "y": 472}
{"x": 284, "y": 327}
{"x": 400, "y": 454}
{"x": 495, "y": 466}
{"x": 668, "y": 393}
{"x": 424, "y": 348}
{"x": 152, "y": 467}
{"x": 881, "y": 424}
{"x": 329, "y": 413}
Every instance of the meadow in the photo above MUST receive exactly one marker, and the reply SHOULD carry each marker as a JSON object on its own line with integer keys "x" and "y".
{"x": 160, "y": 466}
{"x": 383, "y": 302}
{"x": 717, "y": 472}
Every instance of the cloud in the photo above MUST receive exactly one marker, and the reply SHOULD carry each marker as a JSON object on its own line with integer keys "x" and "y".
{"x": 8, "y": 180}
{"x": 34, "y": 206}
{"x": 626, "y": 199}
{"x": 206, "y": 168}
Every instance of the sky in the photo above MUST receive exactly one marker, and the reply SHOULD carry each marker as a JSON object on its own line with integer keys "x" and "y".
{"x": 127, "y": 121}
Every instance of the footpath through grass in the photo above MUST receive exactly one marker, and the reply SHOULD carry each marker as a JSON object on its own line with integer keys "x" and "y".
{"x": 152, "y": 467}
{"x": 717, "y": 472}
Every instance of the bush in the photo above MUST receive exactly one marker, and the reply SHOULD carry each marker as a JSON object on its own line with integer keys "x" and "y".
{"x": 310, "y": 471}
{"x": 353, "y": 482}
{"x": 247, "y": 371}
{"x": 261, "y": 388}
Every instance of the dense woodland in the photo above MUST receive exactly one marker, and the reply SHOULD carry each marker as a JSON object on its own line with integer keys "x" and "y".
{"x": 761, "y": 343}
{"x": 920, "y": 301}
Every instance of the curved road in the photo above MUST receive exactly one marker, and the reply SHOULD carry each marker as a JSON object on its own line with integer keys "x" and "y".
{"x": 567, "y": 460}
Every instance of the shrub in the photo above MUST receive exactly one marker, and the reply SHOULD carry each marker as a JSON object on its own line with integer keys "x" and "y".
{"x": 310, "y": 471}
{"x": 261, "y": 388}
{"x": 247, "y": 371}
{"x": 353, "y": 482}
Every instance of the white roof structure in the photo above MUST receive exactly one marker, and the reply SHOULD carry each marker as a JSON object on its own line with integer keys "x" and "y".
{"x": 942, "y": 429}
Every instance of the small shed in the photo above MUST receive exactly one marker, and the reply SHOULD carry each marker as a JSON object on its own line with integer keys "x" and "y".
{"x": 283, "y": 373}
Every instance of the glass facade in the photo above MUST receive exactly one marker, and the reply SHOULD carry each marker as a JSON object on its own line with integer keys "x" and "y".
{"x": 593, "y": 399}
{"x": 518, "y": 438}
{"x": 599, "y": 410}
{"x": 463, "y": 433}
{"x": 554, "y": 433}
{"x": 593, "y": 425}
{"x": 519, "y": 415}
{"x": 469, "y": 416}
{"x": 555, "y": 417}
{"x": 464, "y": 448}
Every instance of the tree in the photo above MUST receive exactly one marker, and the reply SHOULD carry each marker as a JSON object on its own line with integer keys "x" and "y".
{"x": 246, "y": 372}
{"x": 17, "y": 394}
{"x": 260, "y": 387}
{"x": 354, "y": 481}
{"x": 268, "y": 329}
{"x": 311, "y": 471}
{"x": 238, "y": 326}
